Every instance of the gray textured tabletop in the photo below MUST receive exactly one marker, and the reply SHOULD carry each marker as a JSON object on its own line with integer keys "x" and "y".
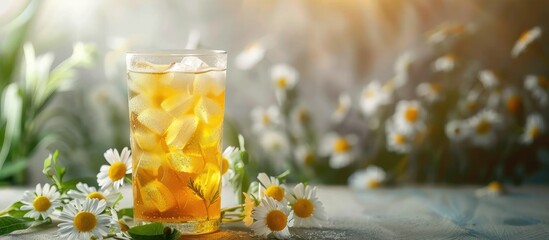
{"x": 396, "y": 213}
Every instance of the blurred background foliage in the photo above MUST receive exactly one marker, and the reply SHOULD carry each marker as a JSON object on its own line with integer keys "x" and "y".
{"x": 333, "y": 50}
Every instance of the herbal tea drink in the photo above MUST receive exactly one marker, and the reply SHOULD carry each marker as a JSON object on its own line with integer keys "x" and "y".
{"x": 176, "y": 105}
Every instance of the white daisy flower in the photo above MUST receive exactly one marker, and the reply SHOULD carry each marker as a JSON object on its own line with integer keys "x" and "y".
{"x": 483, "y": 127}
{"x": 446, "y": 31}
{"x": 113, "y": 175}
{"x": 493, "y": 189}
{"x": 274, "y": 142}
{"x": 265, "y": 118}
{"x": 402, "y": 67}
{"x": 398, "y": 139}
{"x": 410, "y": 116}
{"x": 228, "y": 159}
{"x": 304, "y": 156}
{"x": 525, "y": 39}
{"x": 343, "y": 108}
{"x": 373, "y": 96}
{"x": 341, "y": 149}
{"x": 445, "y": 63}
{"x": 369, "y": 178}
{"x": 307, "y": 209}
{"x": 489, "y": 79}
{"x": 250, "y": 56}
{"x": 272, "y": 217}
{"x": 429, "y": 91}
{"x": 284, "y": 78}
{"x": 457, "y": 130}
{"x": 84, "y": 219}
{"x": 539, "y": 87}
{"x": 271, "y": 187}
{"x": 300, "y": 117}
{"x": 535, "y": 126}
{"x": 470, "y": 103}
{"x": 84, "y": 191}
{"x": 42, "y": 202}
{"x": 120, "y": 225}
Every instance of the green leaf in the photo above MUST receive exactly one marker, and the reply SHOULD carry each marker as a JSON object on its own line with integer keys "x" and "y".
{"x": 153, "y": 231}
{"x": 11, "y": 168}
{"x": 128, "y": 212}
{"x": 10, "y": 224}
{"x": 71, "y": 184}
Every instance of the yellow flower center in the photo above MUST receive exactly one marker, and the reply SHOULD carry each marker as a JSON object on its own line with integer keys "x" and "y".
{"x": 373, "y": 184}
{"x": 41, "y": 203}
{"x": 276, "y": 220}
{"x": 457, "y": 131}
{"x": 483, "y": 127}
{"x": 543, "y": 82}
{"x": 309, "y": 158}
{"x": 123, "y": 226}
{"x": 369, "y": 93}
{"x": 117, "y": 171}
{"x": 224, "y": 166}
{"x": 471, "y": 106}
{"x": 525, "y": 37}
{"x": 282, "y": 82}
{"x": 411, "y": 114}
{"x": 513, "y": 104}
{"x": 435, "y": 87}
{"x": 266, "y": 119}
{"x": 400, "y": 139}
{"x": 341, "y": 145}
{"x": 303, "y": 208}
{"x": 495, "y": 186}
{"x": 303, "y": 116}
{"x": 534, "y": 132}
{"x": 85, "y": 221}
{"x": 96, "y": 195}
{"x": 275, "y": 192}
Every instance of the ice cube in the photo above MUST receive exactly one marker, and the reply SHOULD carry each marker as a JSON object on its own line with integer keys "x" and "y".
{"x": 139, "y": 103}
{"x": 154, "y": 119}
{"x": 178, "y": 105}
{"x": 149, "y": 160}
{"x": 156, "y": 196}
{"x": 188, "y": 163}
{"x": 145, "y": 139}
{"x": 189, "y": 64}
{"x": 210, "y": 83}
{"x": 182, "y": 82}
{"x": 180, "y": 131}
{"x": 209, "y": 111}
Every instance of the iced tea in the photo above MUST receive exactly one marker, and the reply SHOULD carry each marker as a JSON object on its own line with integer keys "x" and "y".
{"x": 176, "y": 122}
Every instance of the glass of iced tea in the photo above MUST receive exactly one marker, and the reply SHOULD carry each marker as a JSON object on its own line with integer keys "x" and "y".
{"x": 176, "y": 105}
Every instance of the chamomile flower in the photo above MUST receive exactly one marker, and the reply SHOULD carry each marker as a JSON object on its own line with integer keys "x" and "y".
{"x": 250, "y": 56}
{"x": 341, "y": 149}
{"x": 457, "y": 130}
{"x": 304, "y": 156}
{"x": 369, "y": 178}
{"x": 275, "y": 142}
{"x": 410, "y": 116}
{"x": 271, "y": 187}
{"x": 249, "y": 205}
{"x": 483, "y": 127}
{"x": 42, "y": 202}
{"x": 398, "y": 139}
{"x": 113, "y": 175}
{"x": 446, "y": 31}
{"x": 373, "y": 96}
{"x": 525, "y": 39}
{"x": 445, "y": 63}
{"x": 273, "y": 217}
{"x": 265, "y": 118}
{"x": 84, "y": 219}
{"x": 470, "y": 102}
{"x": 84, "y": 191}
{"x": 513, "y": 101}
{"x": 402, "y": 68}
{"x": 343, "y": 108}
{"x": 228, "y": 158}
{"x": 307, "y": 209}
{"x": 429, "y": 91}
{"x": 120, "y": 225}
{"x": 284, "y": 78}
{"x": 300, "y": 117}
{"x": 539, "y": 87}
{"x": 489, "y": 79}
{"x": 493, "y": 189}
{"x": 535, "y": 126}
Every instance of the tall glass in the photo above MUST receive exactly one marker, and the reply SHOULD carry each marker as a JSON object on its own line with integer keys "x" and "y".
{"x": 176, "y": 103}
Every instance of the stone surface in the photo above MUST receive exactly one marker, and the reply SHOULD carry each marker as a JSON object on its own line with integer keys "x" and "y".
{"x": 396, "y": 213}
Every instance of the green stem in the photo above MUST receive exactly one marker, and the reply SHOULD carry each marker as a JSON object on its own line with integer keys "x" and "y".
{"x": 232, "y": 208}
{"x": 233, "y": 215}
{"x": 230, "y": 220}
{"x": 6, "y": 210}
